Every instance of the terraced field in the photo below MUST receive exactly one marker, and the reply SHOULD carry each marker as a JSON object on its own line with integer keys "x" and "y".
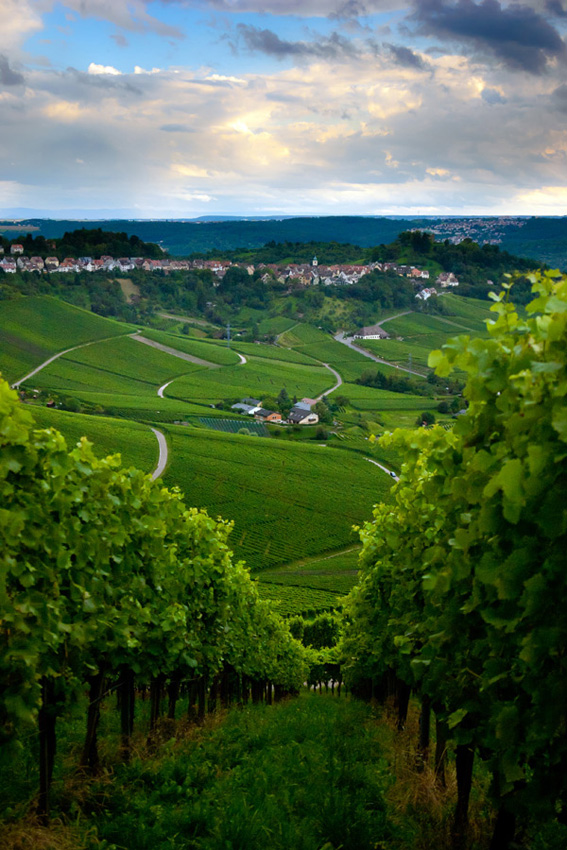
{"x": 336, "y": 573}
{"x": 294, "y": 601}
{"x": 319, "y": 345}
{"x": 209, "y": 350}
{"x": 256, "y": 378}
{"x": 135, "y": 442}
{"x": 287, "y": 500}
{"x": 120, "y": 366}
{"x": 34, "y": 328}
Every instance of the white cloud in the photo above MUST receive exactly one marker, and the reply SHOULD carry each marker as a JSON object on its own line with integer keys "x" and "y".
{"x": 103, "y": 69}
{"x": 19, "y": 20}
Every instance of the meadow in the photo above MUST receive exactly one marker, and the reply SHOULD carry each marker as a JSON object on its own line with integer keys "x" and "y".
{"x": 34, "y": 328}
{"x": 288, "y": 500}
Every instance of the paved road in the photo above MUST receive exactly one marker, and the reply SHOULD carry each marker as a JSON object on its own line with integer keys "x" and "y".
{"x": 61, "y": 353}
{"x": 340, "y": 337}
{"x": 384, "y": 468}
{"x": 162, "y": 459}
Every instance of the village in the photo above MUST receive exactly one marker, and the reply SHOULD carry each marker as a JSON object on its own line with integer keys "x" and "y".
{"x": 304, "y": 274}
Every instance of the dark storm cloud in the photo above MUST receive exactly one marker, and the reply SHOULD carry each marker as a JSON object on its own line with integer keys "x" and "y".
{"x": 515, "y": 35}
{"x": 265, "y": 41}
{"x": 406, "y": 58}
{"x": 176, "y": 128}
{"x": 559, "y": 98}
{"x": 9, "y": 77}
{"x": 555, "y": 7}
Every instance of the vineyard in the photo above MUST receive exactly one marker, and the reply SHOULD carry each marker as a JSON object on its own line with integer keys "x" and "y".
{"x": 34, "y": 328}
{"x": 461, "y": 598}
{"x": 287, "y": 500}
{"x": 135, "y": 442}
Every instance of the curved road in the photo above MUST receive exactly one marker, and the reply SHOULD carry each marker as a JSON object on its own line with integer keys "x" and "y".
{"x": 340, "y": 337}
{"x": 384, "y": 468}
{"x": 337, "y": 385}
{"x": 162, "y": 459}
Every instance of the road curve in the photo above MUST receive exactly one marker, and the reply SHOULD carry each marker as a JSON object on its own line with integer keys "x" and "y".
{"x": 16, "y": 384}
{"x": 162, "y": 459}
{"x": 340, "y": 337}
{"x": 167, "y": 349}
{"x": 164, "y": 387}
{"x": 384, "y": 468}
{"x": 337, "y": 385}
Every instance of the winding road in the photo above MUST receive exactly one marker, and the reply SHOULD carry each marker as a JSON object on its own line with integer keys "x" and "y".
{"x": 341, "y": 337}
{"x": 384, "y": 468}
{"x": 337, "y": 385}
{"x": 163, "y": 454}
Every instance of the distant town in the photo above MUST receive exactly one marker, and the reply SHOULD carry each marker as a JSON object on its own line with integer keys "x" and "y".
{"x": 298, "y": 274}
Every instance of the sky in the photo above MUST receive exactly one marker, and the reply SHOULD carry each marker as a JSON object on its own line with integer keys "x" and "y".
{"x": 182, "y": 108}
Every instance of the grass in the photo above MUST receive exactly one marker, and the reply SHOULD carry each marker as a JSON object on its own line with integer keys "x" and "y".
{"x": 304, "y": 774}
{"x": 290, "y": 601}
{"x": 135, "y": 442}
{"x": 272, "y": 352}
{"x": 34, "y": 328}
{"x": 288, "y": 500}
{"x": 258, "y": 377}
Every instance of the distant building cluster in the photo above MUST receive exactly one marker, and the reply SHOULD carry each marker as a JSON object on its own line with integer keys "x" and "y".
{"x": 293, "y": 274}
{"x": 300, "y": 413}
{"x": 485, "y": 231}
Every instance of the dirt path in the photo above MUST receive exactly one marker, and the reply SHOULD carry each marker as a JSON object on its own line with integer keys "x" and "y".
{"x": 337, "y": 385}
{"x": 60, "y": 354}
{"x": 174, "y": 352}
{"x": 391, "y": 318}
{"x": 340, "y": 337}
{"x": 163, "y": 454}
{"x": 187, "y": 319}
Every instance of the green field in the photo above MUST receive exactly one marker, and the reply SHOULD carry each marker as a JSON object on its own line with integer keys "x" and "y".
{"x": 369, "y": 398}
{"x": 136, "y": 443}
{"x": 319, "y": 345}
{"x": 34, "y": 328}
{"x": 121, "y": 366}
{"x": 258, "y": 377}
{"x": 212, "y": 351}
{"x": 272, "y": 352}
{"x": 336, "y": 573}
{"x": 288, "y": 500}
{"x": 293, "y": 601}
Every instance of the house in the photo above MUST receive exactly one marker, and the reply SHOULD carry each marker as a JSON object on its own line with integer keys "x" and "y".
{"x": 446, "y": 279}
{"x": 297, "y": 416}
{"x": 51, "y": 263}
{"x": 16, "y": 249}
{"x": 252, "y": 401}
{"x": 371, "y": 332}
{"x": 267, "y": 415}
{"x": 302, "y": 405}
{"x": 426, "y": 293}
{"x": 244, "y": 408}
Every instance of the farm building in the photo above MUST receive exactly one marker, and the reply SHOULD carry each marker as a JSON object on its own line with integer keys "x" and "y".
{"x": 298, "y": 416}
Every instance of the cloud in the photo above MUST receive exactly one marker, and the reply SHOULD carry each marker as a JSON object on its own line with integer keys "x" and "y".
{"x": 559, "y": 98}
{"x": 119, "y": 39}
{"x": 176, "y": 128}
{"x": 333, "y": 47}
{"x": 9, "y": 77}
{"x": 517, "y": 36}
{"x": 130, "y": 15}
{"x": 103, "y": 69}
{"x": 492, "y": 96}
{"x": 19, "y": 21}
{"x": 406, "y": 57}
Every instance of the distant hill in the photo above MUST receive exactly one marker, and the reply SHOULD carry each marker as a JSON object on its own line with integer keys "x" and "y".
{"x": 543, "y": 239}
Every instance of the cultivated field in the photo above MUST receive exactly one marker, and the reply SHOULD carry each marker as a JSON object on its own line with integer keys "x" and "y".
{"x": 287, "y": 500}
{"x": 34, "y": 328}
{"x": 136, "y": 443}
